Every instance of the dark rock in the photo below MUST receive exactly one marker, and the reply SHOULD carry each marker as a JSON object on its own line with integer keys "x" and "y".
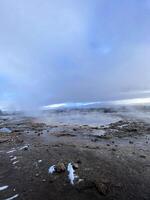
{"x": 94, "y": 140}
{"x": 75, "y": 165}
{"x": 130, "y": 142}
{"x": 101, "y": 188}
{"x": 142, "y": 156}
{"x": 113, "y": 149}
{"x": 79, "y": 161}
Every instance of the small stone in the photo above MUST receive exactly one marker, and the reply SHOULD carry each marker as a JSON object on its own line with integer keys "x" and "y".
{"x": 113, "y": 149}
{"x": 75, "y": 165}
{"x": 60, "y": 167}
{"x": 130, "y": 142}
{"x": 94, "y": 140}
{"x": 142, "y": 156}
{"x": 79, "y": 161}
{"x": 36, "y": 174}
{"x": 101, "y": 188}
{"x": 25, "y": 148}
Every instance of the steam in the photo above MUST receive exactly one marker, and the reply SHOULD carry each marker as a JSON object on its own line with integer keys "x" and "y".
{"x": 72, "y": 51}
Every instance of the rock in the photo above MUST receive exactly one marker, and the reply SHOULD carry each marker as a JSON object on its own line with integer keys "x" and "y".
{"x": 75, "y": 165}
{"x": 79, "y": 161}
{"x": 60, "y": 167}
{"x": 113, "y": 149}
{"x": 3, "y": 140}
{"x": 36, "y": 174}
{"x": 130, "y": 142}
{"x": 94, "y": 140}
{"x": 101, "y": 188}
{"x": 142, "y": 156}
{"x": 25, "y": 148}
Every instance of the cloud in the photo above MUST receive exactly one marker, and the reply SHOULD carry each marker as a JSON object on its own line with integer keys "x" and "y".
{"x": 62, "y": 51}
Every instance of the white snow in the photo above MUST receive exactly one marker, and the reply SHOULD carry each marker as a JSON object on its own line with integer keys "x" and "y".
{"x": 14, "y": 158}
{"x": 51, "y": 170}
{"x": 3, "y": 187}
{"x": 24, "y": 147}
{"x": 11, "y": 151}
{"x": 13, "y": 197}
{"x": 15, "y": 162}
{"x": 71, "y": 175}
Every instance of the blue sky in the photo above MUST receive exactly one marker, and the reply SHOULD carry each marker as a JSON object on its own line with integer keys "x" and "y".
{"x": 73, "y": 50}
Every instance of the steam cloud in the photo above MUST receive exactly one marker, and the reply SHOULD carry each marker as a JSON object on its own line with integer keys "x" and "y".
{"x": 72, "y": 50}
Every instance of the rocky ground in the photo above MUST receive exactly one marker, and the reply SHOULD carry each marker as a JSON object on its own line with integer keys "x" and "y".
{"x": 111, "y": 162}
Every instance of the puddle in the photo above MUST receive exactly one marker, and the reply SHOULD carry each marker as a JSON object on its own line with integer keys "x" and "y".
{"x": 80, "y": 118}
{"x": 5, "y": 130}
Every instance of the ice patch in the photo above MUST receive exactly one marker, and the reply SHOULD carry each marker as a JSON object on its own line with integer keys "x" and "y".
{"x": 3, "y": 187}
{"x": 24, "y": 147}
{"x": 11, "y": 151}
{"x": 14, "y": 158}
{"x": 15, "y": 162}
{"x": 71, "y": 175}
{"x": 5, "y": 130}
{"x": 51, "y": 170}
{"x": 13, "y": 197}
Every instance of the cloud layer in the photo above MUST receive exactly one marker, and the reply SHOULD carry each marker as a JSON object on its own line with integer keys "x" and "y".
{"x": 73, "y": 50}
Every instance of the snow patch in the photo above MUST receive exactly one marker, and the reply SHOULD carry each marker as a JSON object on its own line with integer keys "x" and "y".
{"x": 14, "y": 158}
{"x": 3, "y": 187}
{"x": 24, "y": 147}
{"x": 13, "y": 197}
{"x": 71, "y": 175}
{"x": 15, "y": 162}
{"x": 11, "y": 151}
{"x": 51, "y": 170}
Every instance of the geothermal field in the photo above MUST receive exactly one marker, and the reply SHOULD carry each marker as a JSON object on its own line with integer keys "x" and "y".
{"x": 76, "y": 153}
{"x": 74, "y": 100}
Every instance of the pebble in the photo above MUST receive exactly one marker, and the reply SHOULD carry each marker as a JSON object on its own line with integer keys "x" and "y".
{"x": 60, "y": 167}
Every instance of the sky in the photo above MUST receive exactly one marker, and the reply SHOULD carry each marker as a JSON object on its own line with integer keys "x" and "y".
{"x": 54, "y": 51}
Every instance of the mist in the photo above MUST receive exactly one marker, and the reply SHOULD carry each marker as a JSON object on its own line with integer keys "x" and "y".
{"x": 73, "y": 50}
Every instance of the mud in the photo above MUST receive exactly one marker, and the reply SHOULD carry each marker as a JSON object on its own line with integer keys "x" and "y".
{"x": 113, "y": 160}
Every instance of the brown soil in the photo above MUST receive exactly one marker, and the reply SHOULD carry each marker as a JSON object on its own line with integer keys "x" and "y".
{"x": 113, "y": 166}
